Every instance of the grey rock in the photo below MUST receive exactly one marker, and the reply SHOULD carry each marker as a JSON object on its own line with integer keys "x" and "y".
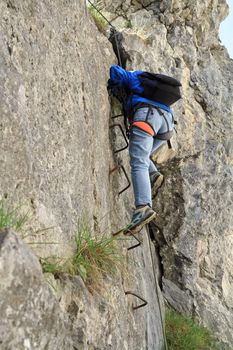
{"x": 39, "y": 313}
{"x": 52, "y": 112}
{"x": 196, "y": 204}
{"x": 176, "y": 298}
{"x": 31, "y": 317}
{"x": 57, "y": 160}
{"x": 56, "y": 155}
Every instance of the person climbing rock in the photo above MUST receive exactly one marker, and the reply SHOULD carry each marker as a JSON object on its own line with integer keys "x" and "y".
{"x": 146, "y": 99}
{"x": 116, "y": 39}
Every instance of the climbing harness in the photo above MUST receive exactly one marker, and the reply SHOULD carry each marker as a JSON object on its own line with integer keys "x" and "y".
{"x": 146, "y": 126}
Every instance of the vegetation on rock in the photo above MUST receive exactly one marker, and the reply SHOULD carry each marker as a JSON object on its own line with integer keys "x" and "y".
{"x": 184, "y": 334}
{"x": 98, "y": 19}
{"x": 93, "y": 257}
{"x": 11, "y": 218}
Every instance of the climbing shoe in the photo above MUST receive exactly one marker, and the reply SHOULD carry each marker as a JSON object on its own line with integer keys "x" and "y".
{"x": 141, "y": 217}
{"x": 156, "y": 180}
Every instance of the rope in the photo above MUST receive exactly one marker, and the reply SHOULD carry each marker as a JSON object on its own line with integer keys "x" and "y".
{"x": 118, "y": 51}
{"x": 114, "y": 31}
{"x": 157, "y": 292}
{"x": 101, "y": 14}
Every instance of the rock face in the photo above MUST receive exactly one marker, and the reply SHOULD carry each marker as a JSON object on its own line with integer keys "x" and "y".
{"x": 54, "y": 123}
{"x": 57, "y": 160}
{"x": 181, "y": 38}
{"x": 31, "y": 317}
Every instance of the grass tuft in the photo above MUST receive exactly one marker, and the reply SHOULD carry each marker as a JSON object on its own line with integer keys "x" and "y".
{"x": 94, "y": 257}
{"x": 183, "y": 333}
{"x": 52, "y": 265}
{"x": 11, "y": 218}
{"x": 129, "y": 24}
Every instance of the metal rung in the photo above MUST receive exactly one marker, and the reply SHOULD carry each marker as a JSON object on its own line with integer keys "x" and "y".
{"x": 136, "y": 245}
{"x": 129, "y": 183}
{"x": 124, "y": 136}
{"x": 117, "y": 167}
{"x": 117, "y": 116}
{"x": 137, "y": 296}
{"x": 133, "y": 246}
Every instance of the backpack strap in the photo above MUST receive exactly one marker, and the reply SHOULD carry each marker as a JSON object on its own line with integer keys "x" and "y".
{"x": 166, "y": 136}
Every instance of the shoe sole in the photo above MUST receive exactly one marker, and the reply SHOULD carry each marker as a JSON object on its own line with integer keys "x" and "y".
{"x": 138, "y": 227}
{"x": 157, "y": 186}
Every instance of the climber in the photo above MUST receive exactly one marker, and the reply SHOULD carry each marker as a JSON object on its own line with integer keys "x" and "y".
{"x": 116, "y": 39}
{"x": 145, "y": 99}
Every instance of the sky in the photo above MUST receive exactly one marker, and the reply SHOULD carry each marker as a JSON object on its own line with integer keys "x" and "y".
{"x": 226, "y": 30}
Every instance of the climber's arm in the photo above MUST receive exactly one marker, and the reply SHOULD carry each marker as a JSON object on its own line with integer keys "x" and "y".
{"x": 122, "y": 78}
{"x": 118, "y": 77}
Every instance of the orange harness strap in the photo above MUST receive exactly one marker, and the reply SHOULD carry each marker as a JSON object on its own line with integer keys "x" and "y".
{"x": 145, "y": 127}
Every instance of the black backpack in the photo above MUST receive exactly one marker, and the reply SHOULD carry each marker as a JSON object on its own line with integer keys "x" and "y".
{"x": 156, "y": 87}
{"x": 160, "y": 88}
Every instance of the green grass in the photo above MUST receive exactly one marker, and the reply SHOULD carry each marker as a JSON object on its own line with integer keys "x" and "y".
{"x": 11, "y": 218}
{"x": 183, "y": 333}
{"x": 94, "y": 257}
{"x": 129, "y": 24}
{"x": 52, "y": 265}
{"x": 100, "y": 22}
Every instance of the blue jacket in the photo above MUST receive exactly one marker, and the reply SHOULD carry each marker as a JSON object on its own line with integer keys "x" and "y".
{"x": 130, "y": 81}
